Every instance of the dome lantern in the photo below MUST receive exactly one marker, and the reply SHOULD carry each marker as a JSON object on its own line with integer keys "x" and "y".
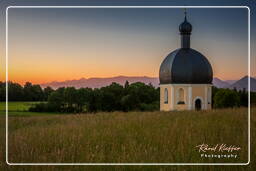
{"x": 185, "y": 29}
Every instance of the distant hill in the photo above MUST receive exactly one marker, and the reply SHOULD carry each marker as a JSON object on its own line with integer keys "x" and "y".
{"x": 243, "y": 83}
{"x": 230, "y": 81}
{"x": 220, "y": 83}
{"x": 101, "y": 82}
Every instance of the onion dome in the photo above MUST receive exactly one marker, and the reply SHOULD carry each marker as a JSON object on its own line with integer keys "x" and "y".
{"x": 185, "y": 65}
{"x": 185, "y": 27}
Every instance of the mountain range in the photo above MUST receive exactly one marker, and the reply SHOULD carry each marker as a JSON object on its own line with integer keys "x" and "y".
{"x": 101, "y": 82}
{"x": 238, "y": 84}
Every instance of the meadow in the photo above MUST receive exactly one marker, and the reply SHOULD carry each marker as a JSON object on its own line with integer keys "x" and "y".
{"x": 124, "y": 137}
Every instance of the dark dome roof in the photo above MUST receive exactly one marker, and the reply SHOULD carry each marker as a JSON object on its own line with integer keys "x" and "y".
{"x": 185, "y": 66}
{"x": 185, "y": 27}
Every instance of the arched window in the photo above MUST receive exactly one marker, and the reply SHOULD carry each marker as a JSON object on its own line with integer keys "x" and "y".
{"x": 181, "y": 96}
{"x": 165, "y": 95}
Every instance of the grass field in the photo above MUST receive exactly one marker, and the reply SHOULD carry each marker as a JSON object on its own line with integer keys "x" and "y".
{"x": 16, "y": 106}
{"x": 150, "y": 137}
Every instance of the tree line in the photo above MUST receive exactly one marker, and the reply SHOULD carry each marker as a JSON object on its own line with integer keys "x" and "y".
{"x": 115, "y": 97}
{"x": 224, "y": 98}
{"x": 28, "y": 92}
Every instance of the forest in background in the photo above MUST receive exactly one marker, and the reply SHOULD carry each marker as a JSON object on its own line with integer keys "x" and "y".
{"x": 115, "y": 97}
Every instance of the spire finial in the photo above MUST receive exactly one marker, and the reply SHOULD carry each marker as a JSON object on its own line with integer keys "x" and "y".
{"x": 185, "y": 13}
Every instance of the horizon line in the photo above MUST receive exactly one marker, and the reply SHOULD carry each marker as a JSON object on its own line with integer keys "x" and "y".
{"x": 76, "y": 79}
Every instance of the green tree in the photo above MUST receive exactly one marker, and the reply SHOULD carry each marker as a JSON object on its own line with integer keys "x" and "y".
{"x": 139, "y": 95}
{"x": 83, "y": 98}
{"x": 38, "y": 93}
{"x": 95, "y": 103}
{"x": 2, "y": 91}
{"x": 33, "y": 92}
{"x": 253, "y": 98}
{"x": 15, "y": 92}
{"x": 111, "y": 97}
{"x": 126, "y": 103}
{"x": 70, "y": 98}
{"x": 56, "y": 100}
{"x": 28, "y": 93}
{"x": 47, "y": 91}
{"x": 214, "y": 91}
{"x": 226, "y": 98}
{"x": 126, "y": 85}
{"x": 243, "y": 97}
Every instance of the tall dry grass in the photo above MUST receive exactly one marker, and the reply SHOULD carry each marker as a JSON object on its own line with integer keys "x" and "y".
{"x": 119, "y": 137}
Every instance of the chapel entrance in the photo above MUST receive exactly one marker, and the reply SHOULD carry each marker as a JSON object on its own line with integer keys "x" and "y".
{"x": 198, "y": 104}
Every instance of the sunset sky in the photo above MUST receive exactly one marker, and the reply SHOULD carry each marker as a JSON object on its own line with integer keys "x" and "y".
{"x": 63, "y": 44}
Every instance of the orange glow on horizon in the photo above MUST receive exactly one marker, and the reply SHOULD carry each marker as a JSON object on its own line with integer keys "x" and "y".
{"x": 34, "y": 79}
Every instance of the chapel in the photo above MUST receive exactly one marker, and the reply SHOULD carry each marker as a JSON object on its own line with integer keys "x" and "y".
{"x": 185, "y": 76}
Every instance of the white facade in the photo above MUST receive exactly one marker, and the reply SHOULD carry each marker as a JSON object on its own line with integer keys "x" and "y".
{"x": 185, "y": 97}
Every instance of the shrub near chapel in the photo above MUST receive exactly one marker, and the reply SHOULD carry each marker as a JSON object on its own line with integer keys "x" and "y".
{"x": 226, "y": 98}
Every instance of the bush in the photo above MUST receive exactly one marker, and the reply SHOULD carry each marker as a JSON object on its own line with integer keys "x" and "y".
{"x": 226, "y": 98}
{"x": 40, "y": 107}
{"x": 150, "y": 107}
